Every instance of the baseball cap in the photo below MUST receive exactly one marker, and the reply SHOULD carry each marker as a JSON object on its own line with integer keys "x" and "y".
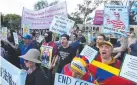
{"x": 106, "y": 43}
{"x": 27, "y": 36}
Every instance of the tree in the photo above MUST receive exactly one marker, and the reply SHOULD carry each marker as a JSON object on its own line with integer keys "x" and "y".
{"x": 40, "y": 5}
{"x": 12, "y": 21}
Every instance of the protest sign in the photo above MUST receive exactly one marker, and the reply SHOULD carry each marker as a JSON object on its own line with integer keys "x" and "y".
{"x": 115, "y": 19}
{"x": 133, "y": 13}
{"x": 89, "y": 53}
{"x": 11, "y": 75}
{"x": 46, "y": 55}
{"x": 61, "y": 25}
{"x": 42, "y": 19}
{"x": 26, "y": 29}
{"x": 15, "y": 38}
{"x": 129, "y": 68}
{"x": 61, "y": 79}
{"x": 98, "y": 19}
{"x": 4, "y": 33}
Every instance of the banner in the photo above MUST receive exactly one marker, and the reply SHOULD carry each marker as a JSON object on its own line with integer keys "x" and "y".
{"x": 4, "y": 33}
{"x": 15, "y": 38}
{"x": 89, "y": 53}
{"x": 98, "y": 19}
{"x": 46, "y": 55}
{"x": 129, "y": 68}
{"x": 61, "y": 25}
{"x": 133, "y": 13}
{"x": 61, "y": 79}
{"x": 42, "y": 19}
{"x": 115, "y": 19}
{"x": 11, "y": 75}
{"x": 26, "y": 29}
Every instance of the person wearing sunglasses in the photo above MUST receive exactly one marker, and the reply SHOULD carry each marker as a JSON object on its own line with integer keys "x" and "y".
{"x": 35, "y": 74}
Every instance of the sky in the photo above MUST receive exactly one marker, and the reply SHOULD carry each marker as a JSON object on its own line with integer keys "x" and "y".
{"x": 15, "y": 6}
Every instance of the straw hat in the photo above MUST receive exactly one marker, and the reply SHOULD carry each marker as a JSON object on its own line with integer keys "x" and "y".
{"x": 32, "y": 55}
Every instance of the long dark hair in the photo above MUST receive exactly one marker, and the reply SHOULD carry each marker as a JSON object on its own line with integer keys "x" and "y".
{"x": 11, "y": 38}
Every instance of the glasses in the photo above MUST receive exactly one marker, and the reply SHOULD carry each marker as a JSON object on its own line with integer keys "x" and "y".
{"x": 26, "y": 61}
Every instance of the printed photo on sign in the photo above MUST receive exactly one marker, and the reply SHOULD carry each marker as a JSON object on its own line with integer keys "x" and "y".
{"x": 115, "y": 18}
{"x": 4, "y": 33}
{"x": 26, "y": 29}
{"x": 133, "y": 13}
{"x": 89, "y": 53}
{"x": 61, "y": 25}
{"x": 61, "y": 79}
{"x": 46, "y": 55}
{"x": 129, "y": 68}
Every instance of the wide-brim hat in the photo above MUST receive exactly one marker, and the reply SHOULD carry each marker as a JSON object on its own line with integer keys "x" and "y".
{"x": 32, "y": 55}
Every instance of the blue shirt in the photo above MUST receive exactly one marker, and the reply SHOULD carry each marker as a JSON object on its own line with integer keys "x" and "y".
{"x": 75, "y": 45}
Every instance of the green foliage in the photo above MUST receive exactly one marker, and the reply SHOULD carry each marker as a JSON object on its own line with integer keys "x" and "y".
{"x": 40, "y": 5}
{"x": 11, "y": 21}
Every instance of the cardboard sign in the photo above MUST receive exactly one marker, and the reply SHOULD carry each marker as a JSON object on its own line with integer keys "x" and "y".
{"x": 89, "y": 53}
{"x": 11, "y": 75}
{"x": 46, "y": 55}
{"x": 61, "y": 25}
{"x": 4, "y": 33}
{"x": 15, "y": 38}
{"x": 129, "y": 68}
{"x": 115, "y": 18}
{"x": 42, "y": 19}
{"x": 61, "y": 79}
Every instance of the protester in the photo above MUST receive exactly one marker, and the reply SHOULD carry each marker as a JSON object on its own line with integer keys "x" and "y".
{"x": 34, "y": 41}
{"x": 104, "y": 77}
{"x": 78, "y": 68}
{"x": 35, "y": 74}
{"x": 65, "y": 53}
{"x": 82, "y": 40}
{"x": 27, "y": 44}
{"x": 48, "y": 42}
{"x": 133, "y": 49}
{"x": 75, "y": 43}
{"x": 12, "y": 50}
{"x": 132, "y": 39}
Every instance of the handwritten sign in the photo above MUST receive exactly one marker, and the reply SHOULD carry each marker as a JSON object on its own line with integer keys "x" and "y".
{"x": 129, "y": 68}
{"x": 61, "y": 79}
{"x": 89, "y": 53}
{"x": 61, "y": 25}
{"x": 15, "y": 38}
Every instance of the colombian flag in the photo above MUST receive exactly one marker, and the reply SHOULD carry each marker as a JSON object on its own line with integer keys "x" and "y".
{"x": 107, "y": 75}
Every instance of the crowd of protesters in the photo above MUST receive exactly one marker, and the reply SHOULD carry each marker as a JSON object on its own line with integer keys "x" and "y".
{"x": 65, "y": 56}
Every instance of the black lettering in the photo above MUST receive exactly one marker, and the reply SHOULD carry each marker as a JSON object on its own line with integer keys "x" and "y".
{"x": 59, "y": 78}
{"x": 68, "y": 81}
{"x": 76, "y": 82}
{"x": 64, "y": 80}
{"x": 81, "y": 83}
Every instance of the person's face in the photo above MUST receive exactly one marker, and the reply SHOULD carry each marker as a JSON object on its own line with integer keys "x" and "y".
{"x": 76, "y": 74}
{"x": 99, "y": 39}
{"x": 79, "y": 33}
{"x": 26, "y": 41}
{"x": 28, "y": 64}
{"x": 64, "y": 41}
{"x": 74, "y": 37}
{"x": 105, "y": 51}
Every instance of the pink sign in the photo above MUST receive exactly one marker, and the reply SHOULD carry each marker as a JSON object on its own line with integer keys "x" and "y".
{"x": 98, "y": 19}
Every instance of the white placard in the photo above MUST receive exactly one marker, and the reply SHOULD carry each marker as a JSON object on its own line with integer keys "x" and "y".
{"x": 42, "y": 19}
{"x": 11, "y": 75}
{"x": 129, "y": 68}
{"x": 61, "y": 79}
{"x": 89, "y": 53}
{"x": 115, "y": 18}
{"x": 61, "y": 25}
{"x": 15, "y": 38}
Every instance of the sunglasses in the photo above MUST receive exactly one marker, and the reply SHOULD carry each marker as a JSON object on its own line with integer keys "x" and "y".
{"x": 26, "y": 61}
